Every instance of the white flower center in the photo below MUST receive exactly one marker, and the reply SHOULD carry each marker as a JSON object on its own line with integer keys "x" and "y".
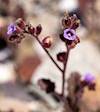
{"x": 69, "y": 34}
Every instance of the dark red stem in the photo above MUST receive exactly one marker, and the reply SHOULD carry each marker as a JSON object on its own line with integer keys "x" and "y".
{"x": 64, "y": 70}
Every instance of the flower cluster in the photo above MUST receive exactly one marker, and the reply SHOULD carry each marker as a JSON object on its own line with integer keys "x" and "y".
{"x": 17, "y": 30}
{"x": 70, "y": 24}
{"x": 76, "y": 85}
{"x": 88, "y": 80}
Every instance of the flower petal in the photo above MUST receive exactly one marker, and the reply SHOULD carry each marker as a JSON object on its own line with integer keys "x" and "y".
{"x": 89, "y": 77}
{"x": 11, "y": 29}
{"x": 69, "y": 34}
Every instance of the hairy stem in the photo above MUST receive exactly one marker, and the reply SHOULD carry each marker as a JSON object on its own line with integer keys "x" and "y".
{"x": 64, "y": 70}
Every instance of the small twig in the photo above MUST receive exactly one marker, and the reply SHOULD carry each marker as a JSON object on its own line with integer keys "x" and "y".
{"x": 64, "y": 70}
{"x": 48, "y": 54}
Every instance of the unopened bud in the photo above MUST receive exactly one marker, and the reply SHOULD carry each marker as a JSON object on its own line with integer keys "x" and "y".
{"x": 47, "y": 42}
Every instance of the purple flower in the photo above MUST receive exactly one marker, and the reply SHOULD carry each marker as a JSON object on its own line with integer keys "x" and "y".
{"x": 89, "y": 78}
{"x": 69, "y": 34}
{"x": 11, "y": 29}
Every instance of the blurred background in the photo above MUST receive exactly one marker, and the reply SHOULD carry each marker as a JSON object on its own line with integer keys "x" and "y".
{"x": 25, "y": 64}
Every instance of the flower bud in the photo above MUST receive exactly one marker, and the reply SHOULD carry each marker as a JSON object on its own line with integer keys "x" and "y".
{"x": 92, "y": 86}
{"x": 77, "y": 40}
{"x": 61, "y": 56}
{"x": 66, "y": 23}
{"x": 18, "y": 29}
{"x": 75, "y": 25}
{"x": 12, "y": 38}
{"x": 38, "y": 29}
{"x": 47, "y": 41}
{"x": 72, "y": 45}
{"x": 20, "y": 22}
{"x": 31, "y": 30}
